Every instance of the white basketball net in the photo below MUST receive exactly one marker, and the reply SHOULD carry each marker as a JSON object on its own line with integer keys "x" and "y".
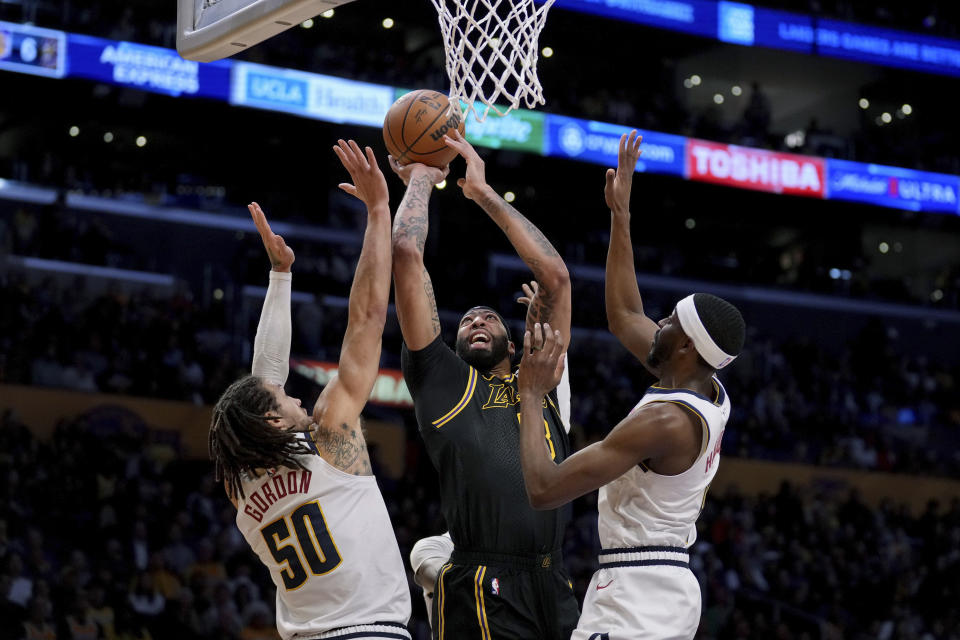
{"x": 491, "y": 51}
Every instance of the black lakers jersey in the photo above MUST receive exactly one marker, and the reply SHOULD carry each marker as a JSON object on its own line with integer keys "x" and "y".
{"x": 469, "y": 422}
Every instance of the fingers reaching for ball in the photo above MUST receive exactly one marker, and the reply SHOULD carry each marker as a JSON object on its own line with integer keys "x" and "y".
{"x": 368, "y": 185}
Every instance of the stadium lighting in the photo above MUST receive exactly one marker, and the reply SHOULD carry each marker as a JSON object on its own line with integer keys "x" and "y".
{"x": 736, "y": 90}
{"x": 74, "y": 131}
{"x": 884, "y": 247}
{"x": 886, "y": 117}
{"x": 937, "y": 295}
{"x": 907, "y": 109}
{"x": 690, "y": 223}
{"x": 834, "y": 274}
{"x": 141, "y": 141}
{"x": 442, "y": 184}
{"x": 696, "y": 80}
{"x": 327, "y": 14}
{"x": 108, "y": 137}
{"x": 864, "y": 103}
{"x": 509, "y": 196}
{"x": 547, "y": 52}
{"x": 218, "y": 294}
{"x": 306, "y": 24}
{"x": 687, "y": 83}
{"x": 718, "y": 98}
{"x": 387, "y": 23}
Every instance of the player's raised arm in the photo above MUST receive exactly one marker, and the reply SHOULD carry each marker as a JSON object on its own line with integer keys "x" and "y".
{"x": 625, "y": 316}
{"x": 552, "y": 302}
{"x": 271, "y": 346}
{"x": 651, "y": 431}
{"x": 336, "y": 413}
{"x": 415, "y": 302}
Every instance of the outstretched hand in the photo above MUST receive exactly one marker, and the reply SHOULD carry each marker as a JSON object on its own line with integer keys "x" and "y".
{"x": 541, "y": 366}
{"x": 369, "y": 185}
{"x": 619, "y": 181}
{"x": 475, "y": 182}
{"x": 407, "y": 171}
{"x": 530, "y": 291}
{"x": 281, "y": 256}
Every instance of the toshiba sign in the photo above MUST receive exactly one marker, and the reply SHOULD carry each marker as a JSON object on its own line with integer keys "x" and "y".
{"x": 756, "y": 169}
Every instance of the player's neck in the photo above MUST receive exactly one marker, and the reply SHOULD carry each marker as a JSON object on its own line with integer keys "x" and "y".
{"x": 502, "y": 370}
{"x": 697, "y": 379}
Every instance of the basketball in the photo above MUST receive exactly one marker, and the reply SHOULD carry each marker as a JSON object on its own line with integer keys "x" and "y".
{"x": 415, "y": 125}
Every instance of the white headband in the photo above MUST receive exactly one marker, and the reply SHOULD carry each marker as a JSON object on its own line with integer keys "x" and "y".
{"x": 693, "y": 327}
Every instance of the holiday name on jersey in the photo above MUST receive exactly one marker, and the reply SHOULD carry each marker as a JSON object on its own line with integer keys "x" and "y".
{"x": 275, "y": 487}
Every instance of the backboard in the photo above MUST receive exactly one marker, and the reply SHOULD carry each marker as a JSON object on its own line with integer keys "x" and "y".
{"x": 208, "y": 30}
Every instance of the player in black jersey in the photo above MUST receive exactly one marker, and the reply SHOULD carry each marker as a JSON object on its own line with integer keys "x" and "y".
{"x": 505, "y": 578}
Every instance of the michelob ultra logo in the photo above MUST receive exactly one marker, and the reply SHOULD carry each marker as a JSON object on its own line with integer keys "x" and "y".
{"x": 755, "y": 169}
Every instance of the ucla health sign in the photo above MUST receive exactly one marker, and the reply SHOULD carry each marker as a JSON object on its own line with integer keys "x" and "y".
{"x": 145, "y": 67}
{"x": 310, "y": 95}
{"x": 599, "y": 142}
{"x": 892, "y": 187}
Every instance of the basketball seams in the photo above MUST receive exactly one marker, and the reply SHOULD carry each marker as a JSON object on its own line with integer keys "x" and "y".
{"x": 390, "y": 135}
{"x": 403, "y": 123}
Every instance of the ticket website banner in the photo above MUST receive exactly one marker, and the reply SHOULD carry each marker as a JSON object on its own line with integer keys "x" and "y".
{"x": 599, "y": 142}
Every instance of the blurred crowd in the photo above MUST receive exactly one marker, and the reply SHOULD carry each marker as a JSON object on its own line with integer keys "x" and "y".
{"x": 140, "y": 544}
{"x": 865, "y": 405}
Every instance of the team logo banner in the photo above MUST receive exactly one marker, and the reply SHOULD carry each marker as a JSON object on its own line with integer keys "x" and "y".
{"x": 756, "y": 169}
{"x": 389, "y": 389}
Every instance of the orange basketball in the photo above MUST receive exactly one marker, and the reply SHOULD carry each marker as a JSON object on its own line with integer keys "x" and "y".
{"x": 415, "y": 125}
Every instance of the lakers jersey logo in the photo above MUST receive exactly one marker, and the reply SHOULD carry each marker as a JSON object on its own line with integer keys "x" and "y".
{"x": 501, "y": 396}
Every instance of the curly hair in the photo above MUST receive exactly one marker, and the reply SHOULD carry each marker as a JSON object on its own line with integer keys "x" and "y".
{"x": 243, "y": 441}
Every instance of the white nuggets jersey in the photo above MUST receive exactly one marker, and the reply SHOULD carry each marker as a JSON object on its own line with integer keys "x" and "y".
{"x": 643, "y": 508}
{"x": 326, "y": 538}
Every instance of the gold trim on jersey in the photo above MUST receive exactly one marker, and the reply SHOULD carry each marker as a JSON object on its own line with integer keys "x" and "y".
{"x": 481, "y": 606}
{"x": 696, "y": 412}
{"x": 440, "y": 599}
{"x": 464, "y": 400}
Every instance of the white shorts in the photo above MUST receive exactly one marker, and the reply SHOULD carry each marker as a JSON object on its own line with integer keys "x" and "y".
{"x": 659, "y": 602}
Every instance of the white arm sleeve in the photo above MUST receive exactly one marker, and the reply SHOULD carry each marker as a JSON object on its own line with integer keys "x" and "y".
{"x": 271, "y": 347}
{"x": 563, "y": 394}
{"x": 426, "y": 558}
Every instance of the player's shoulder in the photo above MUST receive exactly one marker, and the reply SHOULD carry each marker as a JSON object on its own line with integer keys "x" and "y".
{"x": 716, "y": 397}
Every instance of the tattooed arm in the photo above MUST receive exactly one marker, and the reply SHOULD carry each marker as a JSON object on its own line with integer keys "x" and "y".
{"x": 552, "y": 302}
{"x": 337, "y": 411}
{"x": 416, "y": 306}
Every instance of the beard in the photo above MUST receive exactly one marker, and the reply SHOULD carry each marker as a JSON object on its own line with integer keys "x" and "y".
{"x": 658, "y": 353}
{"x": 483, "y": 359}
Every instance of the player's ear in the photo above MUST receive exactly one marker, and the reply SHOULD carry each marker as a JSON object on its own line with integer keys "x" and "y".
{"x": 511, "y": 348}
